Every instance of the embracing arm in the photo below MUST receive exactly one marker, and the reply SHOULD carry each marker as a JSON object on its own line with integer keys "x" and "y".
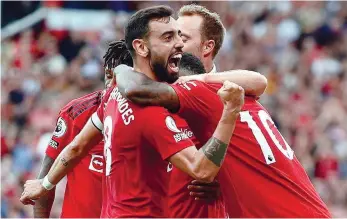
{"x": 252, "y": 82}
{"x": 142, "y": 90}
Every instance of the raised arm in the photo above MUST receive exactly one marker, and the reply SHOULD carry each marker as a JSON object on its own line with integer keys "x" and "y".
{"x": 142, "y": 90}
{"x": 252, "y": 82}
{"x": 67, "y": 160}
{"x": 204, "y": 164}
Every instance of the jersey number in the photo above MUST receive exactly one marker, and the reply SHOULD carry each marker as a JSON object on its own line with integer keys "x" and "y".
{"x": 107, "y": 149}
{"x": 273, "y": 133}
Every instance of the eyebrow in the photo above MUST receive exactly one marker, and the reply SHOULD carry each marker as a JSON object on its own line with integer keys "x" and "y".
{"x": 171, "y": 32}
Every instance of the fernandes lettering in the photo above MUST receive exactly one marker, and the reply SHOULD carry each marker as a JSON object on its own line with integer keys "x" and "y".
{"x": 123, "y": 106}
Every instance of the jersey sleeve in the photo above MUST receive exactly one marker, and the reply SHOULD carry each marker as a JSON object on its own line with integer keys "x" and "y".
{"x": 63, "y": 134}
{"x": 98, "y": 117}
{"x": 167, "y": 133}
{"x": 197, "y": 97}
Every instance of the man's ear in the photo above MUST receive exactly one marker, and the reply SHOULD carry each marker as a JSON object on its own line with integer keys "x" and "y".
{"x": 140, "y": 47}
{"x": 208, "y": 47}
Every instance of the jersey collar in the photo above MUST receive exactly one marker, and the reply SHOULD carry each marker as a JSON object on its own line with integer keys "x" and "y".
{"x": 214, "y": 70}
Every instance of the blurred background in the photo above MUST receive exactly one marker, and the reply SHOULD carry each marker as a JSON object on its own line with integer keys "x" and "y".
{"x": 51, "y": 53}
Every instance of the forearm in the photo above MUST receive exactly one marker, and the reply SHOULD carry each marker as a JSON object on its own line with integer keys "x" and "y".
{"x": 127, "y": 79}
{"x": 163, "y": 96}
{"x": 74, "y": 152}
{"x": 43, "y": 206}
{"x": 68, "y": 159}
{"x": 205, "y": 163}
{"x": 143, "y": 91}
{"x": 252, "y": 82}
{"x": 133, "y": 86}
{"x": 215, "y": 149}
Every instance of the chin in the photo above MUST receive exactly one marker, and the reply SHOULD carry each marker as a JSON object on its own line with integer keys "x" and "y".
{"x": 172, "y": 78}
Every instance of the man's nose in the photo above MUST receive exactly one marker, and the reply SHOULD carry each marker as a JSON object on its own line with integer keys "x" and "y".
{"x": 179, "y": 43}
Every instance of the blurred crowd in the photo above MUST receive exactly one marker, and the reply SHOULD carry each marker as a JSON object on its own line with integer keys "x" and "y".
{"x": 301, "y": 47}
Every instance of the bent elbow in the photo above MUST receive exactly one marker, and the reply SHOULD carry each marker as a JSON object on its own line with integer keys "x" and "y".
{"x": 263, "y": 81}
{"x": 262, "y": 84}
{"x": 76, "y": 148}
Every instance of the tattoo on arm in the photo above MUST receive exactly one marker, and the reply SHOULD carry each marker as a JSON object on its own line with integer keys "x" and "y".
{"x": 63, "y": 160}
{"x": 42, "y": 207}
{"x": 215, "y": 150}
{"x": 159, "y": 94}
{"x": 152, "y": 93}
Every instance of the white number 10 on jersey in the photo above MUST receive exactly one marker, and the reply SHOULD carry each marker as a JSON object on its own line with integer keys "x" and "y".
{"x": 259, "y": 136}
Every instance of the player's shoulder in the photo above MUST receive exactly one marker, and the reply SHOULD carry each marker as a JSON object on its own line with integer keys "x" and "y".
{"x": 149, "y": 111}
{"x": 159, "y": 116}
{"x": 191, "y": 85}
{"x": 152, "y": 114}
{"x": 79, "y": 105}
{"x": 252, "y": 104}
{"x": 214, "y": 86}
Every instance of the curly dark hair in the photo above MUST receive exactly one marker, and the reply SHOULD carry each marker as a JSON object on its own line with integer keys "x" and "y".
{"x": 116, "y": 54}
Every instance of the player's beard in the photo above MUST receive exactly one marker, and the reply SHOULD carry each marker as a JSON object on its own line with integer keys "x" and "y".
{"x": 159, "y": 67}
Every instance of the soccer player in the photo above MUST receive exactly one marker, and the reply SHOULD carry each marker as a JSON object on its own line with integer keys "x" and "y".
{"x": 261, "y": 177}
{"x": 85, "y": 178}
{"x": 202, "y": 33}
{"x": 138, "y": 140}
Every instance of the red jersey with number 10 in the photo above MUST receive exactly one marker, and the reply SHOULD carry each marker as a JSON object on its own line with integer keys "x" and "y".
{"x": 86, "y": 178}
{"x": 260, "y": 177}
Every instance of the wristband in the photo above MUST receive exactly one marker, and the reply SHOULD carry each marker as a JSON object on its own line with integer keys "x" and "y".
{"x": 47, "y": 184}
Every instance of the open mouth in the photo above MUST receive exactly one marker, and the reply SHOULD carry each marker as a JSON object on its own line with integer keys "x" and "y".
{"x": 174, "y": 61}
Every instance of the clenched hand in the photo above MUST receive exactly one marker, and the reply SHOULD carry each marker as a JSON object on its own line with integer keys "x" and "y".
{"x": 33, "y": 190}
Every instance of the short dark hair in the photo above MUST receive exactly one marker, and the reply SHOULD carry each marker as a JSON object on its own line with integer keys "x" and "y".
{"x": 212, "y": 27}
{"x": 191, "y": 64}
{"x": 137, "y": 27}
{"x": 116, "y": 54}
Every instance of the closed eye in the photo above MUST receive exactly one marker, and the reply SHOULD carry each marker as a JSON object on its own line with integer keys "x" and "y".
{"x": 184, "y": 38}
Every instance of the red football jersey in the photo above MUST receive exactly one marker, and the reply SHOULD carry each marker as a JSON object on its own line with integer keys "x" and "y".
{"x": 260, "y": 176}
{"x": 86, "y": 178}
{"x": 137, "y": 142}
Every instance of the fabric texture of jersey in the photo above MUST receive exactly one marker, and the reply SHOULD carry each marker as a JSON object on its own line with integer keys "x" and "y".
{"x": 83, "y": 196}
{"x": 138, "y": 141}
{"x": 253, "y": 185}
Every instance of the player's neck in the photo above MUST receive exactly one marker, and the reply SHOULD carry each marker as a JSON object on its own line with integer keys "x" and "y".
{"x": 208, "y": 64}
{"x": 144, "y": 67}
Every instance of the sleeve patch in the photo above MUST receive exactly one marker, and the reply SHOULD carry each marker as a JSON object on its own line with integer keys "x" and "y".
{"x": 60, "y": 129}
{"x": 180, "y": 134}
{"x": 53, "y": 144}
{"x": 171, "y": 124}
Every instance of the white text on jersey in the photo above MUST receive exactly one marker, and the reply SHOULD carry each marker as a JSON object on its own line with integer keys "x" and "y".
{"x": 123, "y": 106}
